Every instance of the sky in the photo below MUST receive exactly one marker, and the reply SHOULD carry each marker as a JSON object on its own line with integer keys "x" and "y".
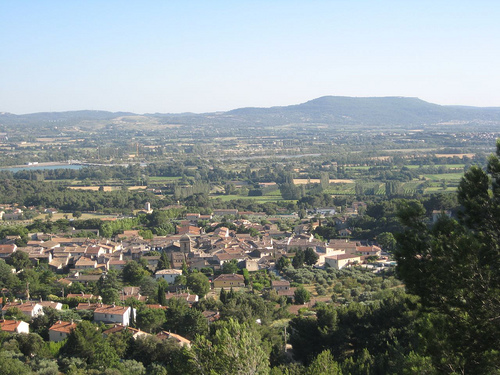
{"x": 175, "y": 56}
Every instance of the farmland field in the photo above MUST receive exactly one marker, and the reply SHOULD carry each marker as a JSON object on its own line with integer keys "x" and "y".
{"x": 162, "y": 179}
{"x": 258, "y": 199}
{"x": 444, "y": 176}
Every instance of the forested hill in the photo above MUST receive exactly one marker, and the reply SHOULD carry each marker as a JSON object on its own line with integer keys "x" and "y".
{"x": 368, "y": 111}
{"x": 327, "y": 110}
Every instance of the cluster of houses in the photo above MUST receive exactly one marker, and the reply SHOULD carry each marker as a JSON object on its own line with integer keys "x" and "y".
{"x": 119, "y": 317}
{"x": 197, "y": 251}
{"x": 190, "y": 247}
{"x": 193, "y": 247}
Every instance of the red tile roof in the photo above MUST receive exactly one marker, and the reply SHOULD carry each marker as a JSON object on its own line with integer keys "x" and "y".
{"x": 9, "y": 325}
{"x": 65, "y": 327}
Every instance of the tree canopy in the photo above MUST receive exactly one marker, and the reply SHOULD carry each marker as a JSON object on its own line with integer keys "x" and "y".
{"x": 454, "y": 266}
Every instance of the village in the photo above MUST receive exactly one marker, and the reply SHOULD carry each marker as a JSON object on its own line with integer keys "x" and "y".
{"x": 221, "y": 255}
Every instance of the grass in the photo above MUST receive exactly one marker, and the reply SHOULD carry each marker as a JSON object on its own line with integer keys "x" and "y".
{"x": 160, "y": 179}
{"x": 447, "y": 166}
{"x": 444, "y": 176}
{"x": 435, "y": 189}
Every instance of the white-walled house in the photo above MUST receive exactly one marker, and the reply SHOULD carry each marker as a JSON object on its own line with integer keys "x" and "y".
{"x": 14, "y": 326}
{"x": 168, "y": 275}
{"x": 52, "y": 304}
{"x": 342, "y": 260}
{"x": 30, "y": 309}
{"x": 114, "y": 314}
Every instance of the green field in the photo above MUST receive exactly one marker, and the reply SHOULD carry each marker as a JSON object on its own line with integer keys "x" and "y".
{"x": 340, "y": 189}
{"x": 447, "y": 166}
{"x": 436, "y": 189}
{"x": 444, "y": 176}
{"x": 160, "y": 179}
{"x": 274, "y": 193}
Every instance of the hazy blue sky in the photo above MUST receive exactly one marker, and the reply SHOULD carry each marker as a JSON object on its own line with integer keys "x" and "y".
{"x": 200, "y": 56}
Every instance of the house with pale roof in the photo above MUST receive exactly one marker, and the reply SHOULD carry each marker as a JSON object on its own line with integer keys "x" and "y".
{"x": 229, "y": 280}
{"x": 349, "y": 247}
{"x": 340, "y": 261}
{"x": 51, "y": 304}
{"x": 85, "y": 263}
{"x": 59, "y": 264}
{"x": 278, "y": 285}
{"x": 169, "y": 275}
{"x": 94, "y": 252}
{"x": 50, "y": 245}
{"x": 222, "y": 212}
{"x": 224, "y": 257}
{"x": 114, "y": 314}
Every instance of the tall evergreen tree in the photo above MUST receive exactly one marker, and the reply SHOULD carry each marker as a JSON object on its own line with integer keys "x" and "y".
{"x": 454, "y": 266}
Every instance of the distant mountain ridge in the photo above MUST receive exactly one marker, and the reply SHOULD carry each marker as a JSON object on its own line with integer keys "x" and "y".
{"x": 372, "y": 111}
{"x": 328, "y": 110}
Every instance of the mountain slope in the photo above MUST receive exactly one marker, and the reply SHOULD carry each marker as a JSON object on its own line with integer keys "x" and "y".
{"x": 369, "y": 111}
{"x": 328, "y": 110}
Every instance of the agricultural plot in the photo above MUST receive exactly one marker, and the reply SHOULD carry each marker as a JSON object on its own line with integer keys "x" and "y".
{"x": 444, "y": 176}
{"x": 258, "y": 199}
{"x": 438, "y": 189}
{"x": 458, "y": 167}
{"x": 274, "y": 193}
{"x": 380, "y": 190}
{"x": 341, "y": 189}
{"x": 411, "y": 188}
{"x": 163, "y": 179}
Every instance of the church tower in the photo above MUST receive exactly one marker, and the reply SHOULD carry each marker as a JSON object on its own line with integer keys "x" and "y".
{"x": 185, "y": 244}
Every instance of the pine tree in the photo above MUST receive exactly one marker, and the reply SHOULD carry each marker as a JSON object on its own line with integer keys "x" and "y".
{"x": 454, "y": 266}
{"x": 162, "y": 299}
{"x": 222, "y": 295}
